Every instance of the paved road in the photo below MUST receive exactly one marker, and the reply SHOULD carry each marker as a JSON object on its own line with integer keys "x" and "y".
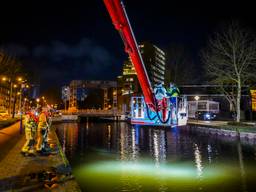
{"x": 8, "y": 138}
{"x": 9, "y": 132}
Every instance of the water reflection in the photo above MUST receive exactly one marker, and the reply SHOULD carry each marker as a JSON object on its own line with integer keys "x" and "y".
{"x": 159, "y": 146}
{"x": 129, "y": 149}
{"x": 241, "y": 165}
{"x": 139, "y": 154}
{"x": 209, "y": 150}
{"x": 198, "y": 161}
{"x": 69, "y": 138}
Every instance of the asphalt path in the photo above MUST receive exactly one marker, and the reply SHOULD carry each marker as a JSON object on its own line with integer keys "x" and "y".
{"x": 9, "y": 136}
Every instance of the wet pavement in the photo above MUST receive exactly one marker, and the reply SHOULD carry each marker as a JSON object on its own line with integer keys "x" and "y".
{"x": 33, "y": 173}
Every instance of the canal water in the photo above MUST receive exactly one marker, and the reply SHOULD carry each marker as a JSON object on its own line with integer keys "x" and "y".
{"x": 120, "y": 157}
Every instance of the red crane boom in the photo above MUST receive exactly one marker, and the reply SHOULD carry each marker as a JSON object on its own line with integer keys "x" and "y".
{"x": 121, "y": 22}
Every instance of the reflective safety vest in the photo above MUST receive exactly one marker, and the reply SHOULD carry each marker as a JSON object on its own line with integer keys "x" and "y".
{"x": 173, "y": 91}
{"x": 31, "y": 122}
{"x": 42, "y": 122}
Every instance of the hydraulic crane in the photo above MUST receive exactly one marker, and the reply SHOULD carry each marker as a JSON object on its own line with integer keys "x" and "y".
{"x": 157, "y": 105}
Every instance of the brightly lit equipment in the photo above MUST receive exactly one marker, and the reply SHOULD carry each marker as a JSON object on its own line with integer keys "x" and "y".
{"x": 155, "y": 108}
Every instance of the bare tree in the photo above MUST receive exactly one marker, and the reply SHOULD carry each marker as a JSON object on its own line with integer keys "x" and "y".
{"x": 9, "y": 65}
{"x": 180, "y": 66}
{"x": 230, "y": 61}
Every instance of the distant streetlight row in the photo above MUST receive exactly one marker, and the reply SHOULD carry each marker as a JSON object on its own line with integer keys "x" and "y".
{"x": 14, "y": 84}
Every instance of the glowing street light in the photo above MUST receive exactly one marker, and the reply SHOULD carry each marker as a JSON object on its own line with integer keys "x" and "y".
{"x": 19, "y": 79}
{"x": 196, "y": 97}
{"x": 4, "y": 78}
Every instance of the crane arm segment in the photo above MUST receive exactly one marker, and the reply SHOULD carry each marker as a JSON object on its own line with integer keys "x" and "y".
{"x": 121, "y": 22}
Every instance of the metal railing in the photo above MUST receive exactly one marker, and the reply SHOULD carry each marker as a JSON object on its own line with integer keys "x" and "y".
{"x": 92, "y": 111}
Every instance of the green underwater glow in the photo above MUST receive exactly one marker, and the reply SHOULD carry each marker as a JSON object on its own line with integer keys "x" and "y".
{"x": 150, "y": 169}
{"x": 148, "y": 176}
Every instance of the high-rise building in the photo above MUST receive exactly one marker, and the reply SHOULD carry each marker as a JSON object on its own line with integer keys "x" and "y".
{"x": 154, "y": 59}
{"x": 128, "y": 81}
{"x": 35, "y": 91}
{"x": 128, "y": 85}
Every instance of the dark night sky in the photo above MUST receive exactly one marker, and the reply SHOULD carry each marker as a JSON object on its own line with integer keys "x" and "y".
{"x": 67, "y": 40}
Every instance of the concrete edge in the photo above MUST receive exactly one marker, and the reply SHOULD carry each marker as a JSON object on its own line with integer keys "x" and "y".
{"x": 211, "y": 130}
{"x": 65, "y": 160}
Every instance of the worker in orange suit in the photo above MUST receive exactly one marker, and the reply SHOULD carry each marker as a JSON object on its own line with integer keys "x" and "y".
{"x": 30, "y": 132}
{"x": 41, "y": 129}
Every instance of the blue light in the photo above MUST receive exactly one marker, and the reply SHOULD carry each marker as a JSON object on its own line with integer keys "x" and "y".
{"x": 208, "y": 116}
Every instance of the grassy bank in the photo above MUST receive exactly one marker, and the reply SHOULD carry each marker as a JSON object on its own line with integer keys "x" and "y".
{"x": 241, "y": 127}
{"x": 8, "y": 122}
{"x": 248, "y": 127}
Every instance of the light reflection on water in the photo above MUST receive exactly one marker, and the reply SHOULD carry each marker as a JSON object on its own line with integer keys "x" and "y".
{"x": 118, "y": 157}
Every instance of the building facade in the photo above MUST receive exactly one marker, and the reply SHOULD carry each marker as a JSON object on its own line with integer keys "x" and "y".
{"x": 154, "y": 59}
{"x": 91, "y": 94}
{"x": 128, "y": 81}
{"x": 4, "y": 97}
{"x": 128, "y": 85}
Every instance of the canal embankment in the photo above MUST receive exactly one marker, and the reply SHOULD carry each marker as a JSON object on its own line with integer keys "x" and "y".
{"x": 37, "y": 172}
{"x": 65, "y": 118}
{"x": 245, "y": 131}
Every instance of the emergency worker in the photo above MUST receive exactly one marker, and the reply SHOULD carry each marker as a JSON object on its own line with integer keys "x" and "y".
{"x": 173, "y": 91}
{"x": 30, "y": 133}
{"x": 45, "y": 145}
{"x": 160, "y": 92}
{"x": 41, "y": 129}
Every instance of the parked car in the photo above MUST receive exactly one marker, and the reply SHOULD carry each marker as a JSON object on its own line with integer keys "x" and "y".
{"x": 3, "y": 114}
{"x": 205, "y": 115}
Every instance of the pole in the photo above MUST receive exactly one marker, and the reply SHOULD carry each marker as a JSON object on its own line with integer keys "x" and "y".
{"x": 14, "y": 102}
{"x": 65, "y": 101}
{"x": 21, "y": 108}
{"x": 10, "y": 98}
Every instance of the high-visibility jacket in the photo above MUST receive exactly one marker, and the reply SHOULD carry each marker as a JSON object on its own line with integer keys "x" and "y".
{"x": 173, "y": 91}
{"x": 31, "y": 122}
{"x": 42, "y": 122}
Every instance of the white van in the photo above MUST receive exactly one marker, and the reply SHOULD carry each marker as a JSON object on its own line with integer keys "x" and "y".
{"x": 203, "y": 109}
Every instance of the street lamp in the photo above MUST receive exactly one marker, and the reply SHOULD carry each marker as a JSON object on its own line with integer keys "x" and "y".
{"x": 23, "y": 85}
{"x": 37, "y": 102}
{"x": 15, "y": 98}
{"x": 196, "y": 98}
{"x": 19, "y": 79}
{"x": 4, "y": 78}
